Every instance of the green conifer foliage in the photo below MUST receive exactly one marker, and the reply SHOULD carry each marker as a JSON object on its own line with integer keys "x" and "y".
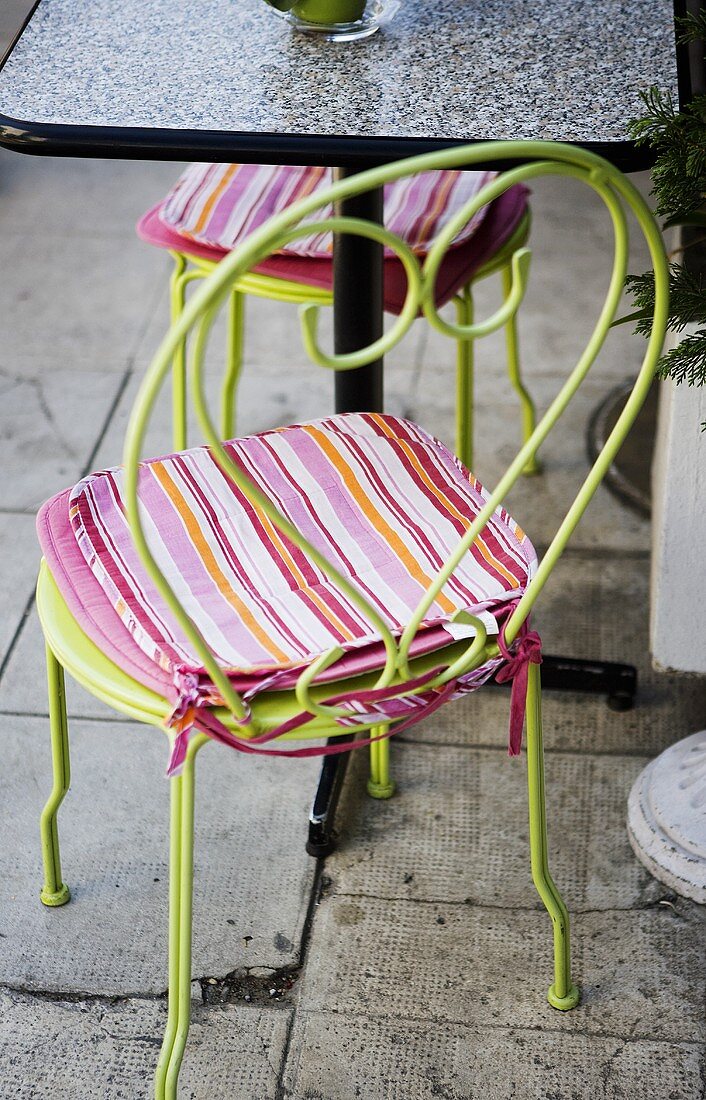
{"x": 679, "y": 187}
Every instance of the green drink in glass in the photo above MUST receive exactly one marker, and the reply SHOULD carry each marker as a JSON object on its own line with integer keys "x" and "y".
{"x": 329, "y": 11}
{"x": 334, "y": 20}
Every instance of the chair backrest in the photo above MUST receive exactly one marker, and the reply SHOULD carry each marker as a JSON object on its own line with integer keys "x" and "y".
{"x": 528, "y": 161}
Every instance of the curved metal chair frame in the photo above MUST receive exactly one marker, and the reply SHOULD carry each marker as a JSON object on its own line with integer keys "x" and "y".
{"x": 189, "y": 268}
{"x": 68, "y": 647}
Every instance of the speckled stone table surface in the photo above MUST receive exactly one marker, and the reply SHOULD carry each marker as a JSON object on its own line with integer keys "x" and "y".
{"x": 229, "y": 76}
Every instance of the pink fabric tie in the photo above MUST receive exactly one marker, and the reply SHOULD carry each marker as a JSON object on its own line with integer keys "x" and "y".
{"x": 194, "y": 707}
{"x": 527, "y": 651}
{"x": 193, "y": 712}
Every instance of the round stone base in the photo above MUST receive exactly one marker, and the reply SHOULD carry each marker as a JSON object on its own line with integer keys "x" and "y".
{"x": 667, "y": 817}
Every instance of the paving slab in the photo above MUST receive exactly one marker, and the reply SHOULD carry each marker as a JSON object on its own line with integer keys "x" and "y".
{"x": 52, "y": 421}
{"x": 95, "y": 1050}
{"x": 12, "y": 16}
{"x": 642, "y": 973}
{"x": 23, "y": 686}
{"x": 76, "y": 197}
{"x": 457, "y": 831}
{"x": 252, "y": 883}
{"x": 19, "y": 553}
{"x": 94, "y": 319}
{"x": 344, "y": 1056}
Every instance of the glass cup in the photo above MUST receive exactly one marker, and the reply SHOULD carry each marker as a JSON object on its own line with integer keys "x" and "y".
{"x": 336, "y": 20}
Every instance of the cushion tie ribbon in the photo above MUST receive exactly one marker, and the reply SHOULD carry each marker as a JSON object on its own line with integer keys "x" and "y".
{"x": 192, "y": 712}
{"x": 195, "y": 701}
{"x": 526, "y": 651}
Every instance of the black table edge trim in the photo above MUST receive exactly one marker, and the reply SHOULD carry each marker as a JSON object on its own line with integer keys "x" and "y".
{"x": 145, "y": 143}
{"x": 142, "y": 143}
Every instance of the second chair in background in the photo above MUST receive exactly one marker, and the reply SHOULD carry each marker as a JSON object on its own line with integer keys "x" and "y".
{"x": 213, "y": 207}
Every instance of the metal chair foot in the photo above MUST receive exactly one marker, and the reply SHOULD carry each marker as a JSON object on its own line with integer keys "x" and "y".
{"x": 564, "y": 1004}
{"x": 380, "y": 785}
{"x": 543, "y": 881}
{"x": 321, "y": 843}
{"x": 533, "y": 467}
{"x": 54, "y": 898}
{"x": 381, "y": 790}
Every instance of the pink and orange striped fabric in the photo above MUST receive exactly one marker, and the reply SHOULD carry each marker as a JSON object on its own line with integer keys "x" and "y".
{"x": 220, "y": 204}
{"x": 384, "y": 502}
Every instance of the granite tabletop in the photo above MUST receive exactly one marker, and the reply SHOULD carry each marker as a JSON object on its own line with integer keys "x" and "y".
{"x": 220, "y": 72}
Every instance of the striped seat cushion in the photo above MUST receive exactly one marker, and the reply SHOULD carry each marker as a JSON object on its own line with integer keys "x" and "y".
{"x": 458, "y": 267}
{"x": 220, "y": 204}
{"x": 385, "y": 502}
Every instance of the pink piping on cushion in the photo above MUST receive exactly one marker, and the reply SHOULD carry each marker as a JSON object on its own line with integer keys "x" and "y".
{"x": 152, "y": 229}
{"x": 87, "y": 601}
{"x": 460, "y": 263}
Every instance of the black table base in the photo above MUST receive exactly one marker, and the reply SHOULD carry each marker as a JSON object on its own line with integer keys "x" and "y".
{"x": 357, "y": 303}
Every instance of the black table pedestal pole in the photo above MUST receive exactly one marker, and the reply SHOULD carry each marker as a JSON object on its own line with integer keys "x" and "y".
{"x": 357, "y": 312}
{"x": 357, "y": 321}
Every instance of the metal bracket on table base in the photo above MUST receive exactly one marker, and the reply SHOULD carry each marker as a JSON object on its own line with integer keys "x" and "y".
{"x": 618, "y": 682}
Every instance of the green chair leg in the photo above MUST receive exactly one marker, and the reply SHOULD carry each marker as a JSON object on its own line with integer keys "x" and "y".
{"x": 181, "y": 876}
{"x": 563, "y": 994}
{"x": 174, "y": 898}
{"x": 234, "y": 362}
{"x": 177, "y": 297}
{"x": 380, "y": 785}
{"x": 529, "y": 413}
{"x": 55, "y": 892}
{"x": 464, "y": 381}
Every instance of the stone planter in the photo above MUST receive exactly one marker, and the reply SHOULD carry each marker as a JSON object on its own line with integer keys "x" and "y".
{"x": 678, "y": 586}
{"x": 667, "y": 805}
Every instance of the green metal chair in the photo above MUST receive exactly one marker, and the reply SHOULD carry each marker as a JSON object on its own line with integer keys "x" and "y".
{"x": 292, "y": 280}
{"x": 319, "y": 702}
